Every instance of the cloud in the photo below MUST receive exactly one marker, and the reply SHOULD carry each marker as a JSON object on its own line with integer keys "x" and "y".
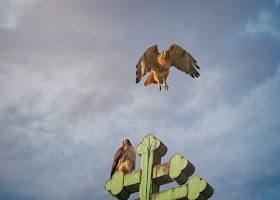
{"x": 68, "y": 97}
{"x": 59, "y": 34}
{"x": 239, "y": 138}
{"x": 266, "y": 23}
{"x": 11, "y": 11}
{"x": 41, "y": 151}
{"x": 234, "y": 137}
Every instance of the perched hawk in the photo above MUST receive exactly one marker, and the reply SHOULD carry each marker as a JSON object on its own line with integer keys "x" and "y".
{"x": 124, "y": 159}
{"x": 159, "y": 64}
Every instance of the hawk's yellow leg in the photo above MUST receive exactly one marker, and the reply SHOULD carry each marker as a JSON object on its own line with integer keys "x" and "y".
{"x": 165, "y": 85}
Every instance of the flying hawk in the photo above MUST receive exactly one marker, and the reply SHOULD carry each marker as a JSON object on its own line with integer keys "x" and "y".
{"x": 159, "y": 64}
{"x": 124, "y": 159}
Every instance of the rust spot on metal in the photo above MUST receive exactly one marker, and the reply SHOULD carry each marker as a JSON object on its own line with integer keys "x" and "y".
{"x": 161, "y": 175}
{"x": 163, "y": 168}
{"x": 173, "y": 193}
{"x": 154, "y": 174}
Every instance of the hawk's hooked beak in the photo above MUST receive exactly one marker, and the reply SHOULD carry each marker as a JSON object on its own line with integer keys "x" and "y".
{"x": 166, "y": 53}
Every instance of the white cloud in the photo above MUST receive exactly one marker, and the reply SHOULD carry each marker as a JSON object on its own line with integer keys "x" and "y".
{"x": 68, "y": 87}
{"x": 28, "y": 88}
{"x": 11, "y": 11}
{"x": 222, "y": 140}
{"x": 266, "y": 22}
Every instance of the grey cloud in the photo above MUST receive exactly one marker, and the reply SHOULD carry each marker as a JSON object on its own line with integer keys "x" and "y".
{"x": 95, "y": 104}
{"x": 69, "y": 96}
{"x": 49, "y": 157}
{"x": 265, "y": 23}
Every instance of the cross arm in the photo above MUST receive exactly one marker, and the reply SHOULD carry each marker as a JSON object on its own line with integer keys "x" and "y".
{"x": 122, "y": 185}
{"x": 178, "y": 169}
{"x": 196, "y": 189}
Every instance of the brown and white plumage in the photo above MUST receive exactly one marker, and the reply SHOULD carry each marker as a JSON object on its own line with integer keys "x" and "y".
{"x": 124, "y": 159}
{"x": 158, "y": 64}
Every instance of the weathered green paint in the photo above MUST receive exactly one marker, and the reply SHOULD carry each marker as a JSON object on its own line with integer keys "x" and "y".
{"x": 161, "y": 174}
{"x": 153, "y": 174}
{"x": 180, "y": 169}
{"x": 115, "y": 186}
{"x": 146, "y": 150}
{"x": 196, "y": 189}
{"x": 174, "y": 193}
{"x": 121, "y": 186}
{"x": 199, "y": 189}
{"x": 132, "y": 182}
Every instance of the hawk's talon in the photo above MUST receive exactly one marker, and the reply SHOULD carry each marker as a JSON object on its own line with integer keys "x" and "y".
{"x": 159, "y": 87}
{"x": 165, "y": 86}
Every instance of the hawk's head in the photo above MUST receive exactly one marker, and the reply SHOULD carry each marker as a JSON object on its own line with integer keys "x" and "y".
{"x": 126, "y": 142}
{"x": 166, "y": 53}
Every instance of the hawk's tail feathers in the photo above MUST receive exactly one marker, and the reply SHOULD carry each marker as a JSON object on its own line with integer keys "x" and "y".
{"x": 150, "y": 80}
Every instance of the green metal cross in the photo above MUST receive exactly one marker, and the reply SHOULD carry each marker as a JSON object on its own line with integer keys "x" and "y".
{"x": 153, "y": 174}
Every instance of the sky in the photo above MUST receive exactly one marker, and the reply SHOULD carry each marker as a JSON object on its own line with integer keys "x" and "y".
{"x": 69, "y": 97}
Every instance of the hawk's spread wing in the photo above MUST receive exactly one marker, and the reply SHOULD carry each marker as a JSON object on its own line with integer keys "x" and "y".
{"x": 146, "y": 62}
{"x": 183, "y": 61}
{"x": 120, "y": 153}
